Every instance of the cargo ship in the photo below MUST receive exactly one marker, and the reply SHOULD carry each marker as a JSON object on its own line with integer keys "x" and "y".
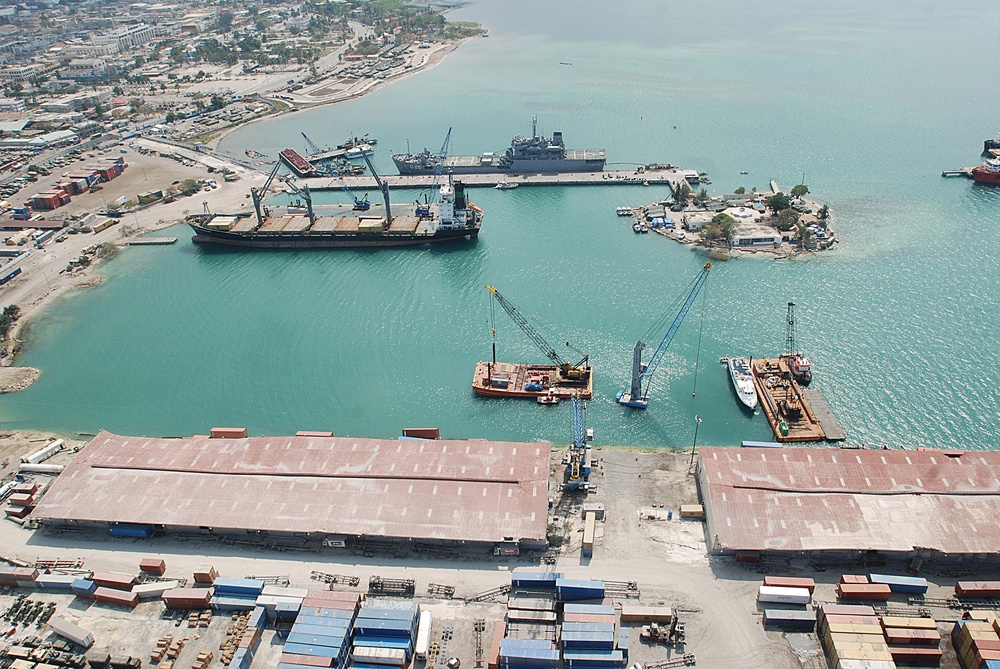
{"x": 526, "y": 155}
{"x": 545, "y": 382}
{"x": 988, "y": 172}
{"x": 452, "y": 218}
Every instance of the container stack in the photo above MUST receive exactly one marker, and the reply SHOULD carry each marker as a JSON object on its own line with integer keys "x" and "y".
{"x": 871, "y": 592}
{"x": 770, "y": 594}
{"x": 55, "y": 582}
{"x": 187, "y": 599}
{"x": 205, "y": 575}
{"x": 236, "y": 594}
{"x": 272, "y": 596}
{"x": 22, "y": 500}
{"x": 525, "y": 653}
{"x": 499, "y": 632}
{"x": 84, "y": 588}
{"x": 571, "y": 590}
{"x": 977, "y": 644}
{"x": 852, "y": 637}
{"x": 322, "y": 631}
{"x": 384, "y": 634}
{"x": 250, "y": 638}
{"x": 912, "y": 640}
{"x": 531, "y": 605}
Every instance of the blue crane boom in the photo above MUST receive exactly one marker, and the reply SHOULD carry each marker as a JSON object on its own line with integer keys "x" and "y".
{"x": 313, "y": 147}
{"x": 637, "y": 396}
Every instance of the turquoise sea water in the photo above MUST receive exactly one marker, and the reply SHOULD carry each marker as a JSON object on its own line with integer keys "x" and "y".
{"x": 871, "y": 102}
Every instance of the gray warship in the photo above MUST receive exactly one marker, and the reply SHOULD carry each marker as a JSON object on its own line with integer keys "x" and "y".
{"x": 526, "y": 155}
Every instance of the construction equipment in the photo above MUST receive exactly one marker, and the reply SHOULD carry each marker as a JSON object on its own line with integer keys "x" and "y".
{"x": 425, "y": 208}
{"x": 578, "y": 458}
{"x": 578, "y": 372}
{"x": 382, "y": 186}
{"x": 799, "y": 365}
{"x": 637, "y": 396}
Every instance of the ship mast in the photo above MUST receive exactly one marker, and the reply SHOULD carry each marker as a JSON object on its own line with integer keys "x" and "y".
{"x": 534, "y": 126}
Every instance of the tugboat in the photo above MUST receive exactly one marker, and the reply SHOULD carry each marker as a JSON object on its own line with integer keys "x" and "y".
{"x": 988, "y": 172}
{"x": 548, "y": 399}
{"x": 505, "y": 185}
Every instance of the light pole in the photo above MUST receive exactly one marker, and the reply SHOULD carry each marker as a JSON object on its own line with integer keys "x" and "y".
{"x": 694, "y": 444}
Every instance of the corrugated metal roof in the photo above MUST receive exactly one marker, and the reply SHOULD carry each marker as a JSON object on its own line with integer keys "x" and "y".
{"x": 802, "y": 499}
{"x": 450, "y": 490}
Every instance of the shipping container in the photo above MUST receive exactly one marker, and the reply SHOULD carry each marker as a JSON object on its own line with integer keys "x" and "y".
{"x": 422, "y": 432}
{"x": 305, "y": 610}
{"x": 115, "y": 596}
{"x": 572, "y": 589}
{"x": 113, "y": 580}
{"x": 306, "y": 660}
{"x": 316, "y": 651}
{"x": 904, "y": 584}
{"x": 977, "y": 589}
{"x": 324, "y": 621}
{"x": 228, "y": 433}
{"x": 238, "y": 587}
{"x": 71, "y": 631}
{"x": 528, "y": 578}
{"x": 790, "y": 582}
{"x": 499, "y": 630}
{"x": 916, "y": 654}
{"x": 589, "y": 531}
{"x": 588, "y": 640}
{"x": 187, "y": 598}
{"x": 589, "y": 609}
{"x": 153, "y": 566}
{"x": 205, "y": 575}
{"x": 232, "y": 603}
{"x": 909, "y": 623}
{"x": 381, "y": 656}
{"x": 798, "y": 620}
{"x": 905, "y": 637}
{"x": 321, "y": 630}
{"x": 774, "y": 595}
{"x": 62, "y": 582}
{"x": 529, "y": 616}
{"x": 155, "y": 589}
{"x": 423, "y": 635}
{"x": 83, "y": 587}
{"x": 285, "y": 610}
{"x": 866, "y": 664}
{"x": 367, "y": 626}
{"x": 847, "y": 610}
{"x": 593, "y": 659}
{"x": 316, "y": 640}
{"x": 372, "y": 613}
{"x": 873, "y": 592}
{"x": 633, "y": 613}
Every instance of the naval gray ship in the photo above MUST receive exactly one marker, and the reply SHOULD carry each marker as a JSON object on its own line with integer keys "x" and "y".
{"x": 526, "y": 155}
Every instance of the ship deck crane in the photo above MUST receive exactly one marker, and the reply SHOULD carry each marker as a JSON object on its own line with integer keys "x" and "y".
{"x": 258, "y": 195}
{"x": 637, "y": 395}
{"x": 425, "y": 208}
{"x": 306, "y": 196}
{"x": 382, "y": 186}
{"x": 578, "y": 372}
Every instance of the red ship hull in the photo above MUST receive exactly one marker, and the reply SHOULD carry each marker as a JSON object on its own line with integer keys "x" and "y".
{"x": 982, "y": 176}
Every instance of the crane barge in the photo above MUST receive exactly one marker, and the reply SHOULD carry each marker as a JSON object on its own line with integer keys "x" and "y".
{"x": 559, "y": 380}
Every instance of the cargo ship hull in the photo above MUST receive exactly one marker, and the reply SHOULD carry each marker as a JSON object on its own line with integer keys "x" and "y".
{"x": 479, "y": 165}
{"x": 505, "y": 379}
{"x": 325, "y": 240}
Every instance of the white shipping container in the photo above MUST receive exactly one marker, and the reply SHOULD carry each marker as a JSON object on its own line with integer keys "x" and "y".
{"x": 768, "y": 593}
{"x": 74, "y": 633}
{"x": 43, "y": 453}
{"x": 40, "y": 469}
{"x": 155, "y": 589}
{"x": 279, "y": 591}
{"x": 866, "y": 664}
{"x": 270, "y": 602}
{"x": 423, "y": 636}
{"x": 394, "y": 657}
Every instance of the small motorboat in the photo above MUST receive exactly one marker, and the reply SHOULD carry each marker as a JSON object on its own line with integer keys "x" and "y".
{"x": 636, "y": 227}
{"x": 504, "y": 185}
{"x": 548, "y": 398}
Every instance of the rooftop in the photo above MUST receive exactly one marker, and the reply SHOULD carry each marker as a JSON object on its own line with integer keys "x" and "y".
{"x": 813, "y": 499}
{"x": 443, "y": 490}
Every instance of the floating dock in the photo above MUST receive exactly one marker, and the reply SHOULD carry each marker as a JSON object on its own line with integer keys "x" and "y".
{"x": 151, "y": 241}
{"x": 964, "y": 172}
{"x": 506, "y": 379}
{"x": 788, "y": 411}
{"x": 668, "y": 177}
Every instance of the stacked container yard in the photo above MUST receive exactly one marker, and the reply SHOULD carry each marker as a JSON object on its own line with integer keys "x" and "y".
{"x": 977, "y": 643}
{"x": 250, "y": 640}
{"x": 321, "y": 635}
{"x": 273, "y": 596}
{"x": 589, "y": 639}
{"x": 384, "y": 633}
{"x": 852, "y": 637}
{"x": 236, "y": 594}
{"x": 114, "y": 588}
{"x": 912, "y": 640}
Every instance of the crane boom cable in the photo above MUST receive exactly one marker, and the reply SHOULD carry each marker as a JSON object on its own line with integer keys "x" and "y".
{"x": 518, "y": 317}
{"x": 701, "y": 330}
{"x": 671, "y": 310}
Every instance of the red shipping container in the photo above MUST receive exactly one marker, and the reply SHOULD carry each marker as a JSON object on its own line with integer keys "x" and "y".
{"x": 205, "y": 575}
{"x": 113, "y": 596}
{"x": 307, "y": 433}
{"x": 25, "y": 574}
{"x": 18, "y": 511}
{"x": 422, "y": 432}
{"x": 790, "y": 582}
{"x": 153, "y": 566}
{"x": 117, "y": 581}
{"x": 922, "y": 654}
{"x": 853, "y": 578}
{"x": 874, "y": 591}
{"x": 499, "y": 630}
{"x": 21, "y": 499}
{"x": 181, "y": 599}
{"x": 26, "y": 488}
{"x": 851, "y": 620}
{"x": 334, "y": 596}
{"x": 306, "y": 660}
{"x": 904, "y": 637}
{"x": 228, "y": 433}
{"x": 986, "y": 644}
{"x": 977, "y": 589}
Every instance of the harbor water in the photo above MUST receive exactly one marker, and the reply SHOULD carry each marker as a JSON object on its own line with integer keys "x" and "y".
{"x": 869, "y": 102}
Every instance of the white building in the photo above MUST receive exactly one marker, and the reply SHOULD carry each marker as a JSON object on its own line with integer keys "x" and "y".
{"x": 20, "y": 73}
{"x": 126, "y": 38}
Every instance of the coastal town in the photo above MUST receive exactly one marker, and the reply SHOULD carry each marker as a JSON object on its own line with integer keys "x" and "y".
{"x": 323, "y": 548}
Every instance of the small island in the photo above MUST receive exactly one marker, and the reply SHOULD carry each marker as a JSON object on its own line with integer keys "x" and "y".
{"x": 744, "y": 222}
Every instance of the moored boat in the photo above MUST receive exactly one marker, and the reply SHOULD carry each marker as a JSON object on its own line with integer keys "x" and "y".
{"x": 742, "y": 376}
{"x": 506, "y": 185}
{"x": 988, "y": 172}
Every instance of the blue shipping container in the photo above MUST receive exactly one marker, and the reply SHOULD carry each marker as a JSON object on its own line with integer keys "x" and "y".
{"x": 244, "y": 587}
{"x": 258, "y": 618}
{"x": 83, "y": 586}
{"x": 315, "y": 651}
{"x": 585, "y": 659}
{"x": 383, "y": 627}
{"x": 330, "y": 641}
{"x": 623, "y": 641}
{"x": 225, "y": 603}
{"x": 326, "y": 613}
{"x": 129, "y": 530}
{"x": 287, "y": 610}
{"x": 508, "y": 643}
{"x": 298, "y": 628}
{"x": 589, "y": 640}
{"x": 387, "y": 614}
{"x": 569, "y": 589}
{"x": 534, "y": 579}
{"x": 241, "y": 659}
{"x": 588, "y": 627}
{"x": 317, "y": 621}
{"x": 384, "y": 642}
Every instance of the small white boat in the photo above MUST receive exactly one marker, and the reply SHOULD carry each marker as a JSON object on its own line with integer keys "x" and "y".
{"x": 505, "y": 185}
{"x": 636, "y": 227}
{"x": 549, "y": 398}
{"x": 358, "y": 151}
{"x": 624, "y": 211}
{"x": 739, "y": 371}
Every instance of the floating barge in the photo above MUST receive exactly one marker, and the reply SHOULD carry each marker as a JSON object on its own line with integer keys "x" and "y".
{"x": 301, "y": 167}
{"x": 506, "y": 379}
{"x": 791, "y": 417}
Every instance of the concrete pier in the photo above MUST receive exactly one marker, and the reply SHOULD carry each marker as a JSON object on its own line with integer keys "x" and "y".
{"x": 669, "y": 177}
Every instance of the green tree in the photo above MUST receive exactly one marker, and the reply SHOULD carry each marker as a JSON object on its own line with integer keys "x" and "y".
{"x": 777, "y": 202}
{"x": 787, "y": 219}
{"x": 7, "y": 319}
{"x": 740, "y": 191}
{"x": 803, "y": 235}
{"x": 727, "y": 224}
{"x": 177, "y": 54}
{"x": 99, "y": 110}
{"x": 217, "y": 102}
{"x": 824, "y": 212}
{"x": 799, "y": 190}
{"x": 682, "y": 193}
{"x": 225, "y": 21}
{"x": 171, "y": 117}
